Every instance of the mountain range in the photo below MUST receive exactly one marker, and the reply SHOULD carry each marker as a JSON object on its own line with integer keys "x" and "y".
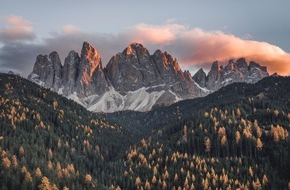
{"x": 134, "y": 79}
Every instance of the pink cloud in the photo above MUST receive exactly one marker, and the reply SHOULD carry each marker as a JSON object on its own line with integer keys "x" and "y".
{"x": 16, "y": 29}
{"x": 156, "y": 34}
{"x": 208, "y": 46}
{"x": 194, "y": 46}
{"x": 70, "y": 29}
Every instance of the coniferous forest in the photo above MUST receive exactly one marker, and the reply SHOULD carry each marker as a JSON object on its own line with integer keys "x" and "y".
{"x": 235, "y": 138}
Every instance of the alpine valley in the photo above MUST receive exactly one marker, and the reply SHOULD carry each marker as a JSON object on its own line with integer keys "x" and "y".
{"x": 227, "y": 129}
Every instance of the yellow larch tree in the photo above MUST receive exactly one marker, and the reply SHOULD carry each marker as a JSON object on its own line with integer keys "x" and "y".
{"x": 259, "y": 144}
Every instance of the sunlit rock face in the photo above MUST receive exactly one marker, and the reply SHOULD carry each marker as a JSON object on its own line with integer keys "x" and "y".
{"x": 91, "y": 78}
{"x": 234, "y": 71}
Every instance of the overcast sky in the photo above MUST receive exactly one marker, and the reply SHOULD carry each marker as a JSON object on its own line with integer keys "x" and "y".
{"x": 195, "y": 32}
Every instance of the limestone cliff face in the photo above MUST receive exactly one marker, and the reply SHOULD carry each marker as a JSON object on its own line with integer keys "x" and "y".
{"x": 135, "y": 68}
{"x": 70, "y": 72}
{"x": 47, "y": 71}
{"x": 91, "y": 78}
{"x": 200, "y": 77}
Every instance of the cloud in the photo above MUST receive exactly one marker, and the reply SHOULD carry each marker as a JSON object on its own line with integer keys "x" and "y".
{"x": 193, "y": 47}
{"x": 17, "y": 29}
{"x": 156, "y": 34}
{"x": 207, "y": 46}
{"x": 70, "y": 29}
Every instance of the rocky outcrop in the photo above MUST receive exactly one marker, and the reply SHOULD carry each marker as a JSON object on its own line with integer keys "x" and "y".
{"x": 57, "y": 70}
{"x": 132, "y": 69}
{"x": 91, "y": 78}
{"x": 234, "y": 71}
{"x": 70, "y": 72}
{"x": 47, "y": 71}
{"x": 200, "y": 77}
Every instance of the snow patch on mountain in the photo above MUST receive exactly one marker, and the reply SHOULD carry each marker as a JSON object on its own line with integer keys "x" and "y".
{"x": 112, "y": 101}
{"x": 204, "y": 89}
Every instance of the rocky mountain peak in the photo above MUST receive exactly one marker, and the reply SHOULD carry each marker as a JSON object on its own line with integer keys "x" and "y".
{"x": 91, "y": 56}
{"x": 187, "y": 75}
{"x": 200, "y": 77}
{"x": 167, "y": 60}
{"x": 90, "y": 72}
{"x": 70, "y": 72}
{"x": 87, "y": 47}
{"x": 136, "y": 49}
{"x": 242, "y": 63}
{"x": 45, "y": 70}
{"x": 58, "y": 69}
{"x": 54, "y": 57}
{"x": 254, "y": 64}
{"x": 234, "y": 71}
{"x": 216, "y": 67}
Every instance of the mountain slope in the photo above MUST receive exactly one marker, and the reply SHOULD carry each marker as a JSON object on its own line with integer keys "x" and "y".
{"x": 233, "y": 94}
{"x": 237, "y": 137}
{"x": 46, "y": 135}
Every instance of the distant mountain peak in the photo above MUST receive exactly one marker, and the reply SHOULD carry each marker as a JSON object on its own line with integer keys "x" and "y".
{"x": 216, "y": 66}
{"x": 91, "y": 55}
{"x": 254, "y": 64}
{"x": 200, "y": 76}
{"x": 241, "y": 63}
{"x": 135, "y": 49}
{"x": 234, "y": 71}
{"x": 136, "y": 45}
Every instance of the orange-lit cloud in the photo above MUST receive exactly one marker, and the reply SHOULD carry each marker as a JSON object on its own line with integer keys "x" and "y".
{"x": 70, "y": 29}
{"x": 198, "y": 47}
{"x": 156, "y": 34}
{"x": 208, "y": 46}
{"x": 16, "y": 29}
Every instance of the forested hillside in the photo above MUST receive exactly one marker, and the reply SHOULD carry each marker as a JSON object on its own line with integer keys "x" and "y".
{"x": 47, "y": 140}
{"x": 237, "y": 137}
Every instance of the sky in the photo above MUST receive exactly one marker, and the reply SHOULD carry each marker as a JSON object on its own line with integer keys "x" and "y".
{"x": 195, "y": 32}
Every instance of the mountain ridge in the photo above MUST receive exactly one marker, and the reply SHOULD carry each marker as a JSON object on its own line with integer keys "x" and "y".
{"x": 133, "y": 79}
{"x": 234, "y": 71}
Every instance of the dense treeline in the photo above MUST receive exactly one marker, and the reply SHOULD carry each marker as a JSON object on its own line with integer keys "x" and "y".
{"x": 240, "y": 122}
{"x": 217, "y": 149}
{"x": 235, "y": 138}
{"x": 45, "y": 138}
